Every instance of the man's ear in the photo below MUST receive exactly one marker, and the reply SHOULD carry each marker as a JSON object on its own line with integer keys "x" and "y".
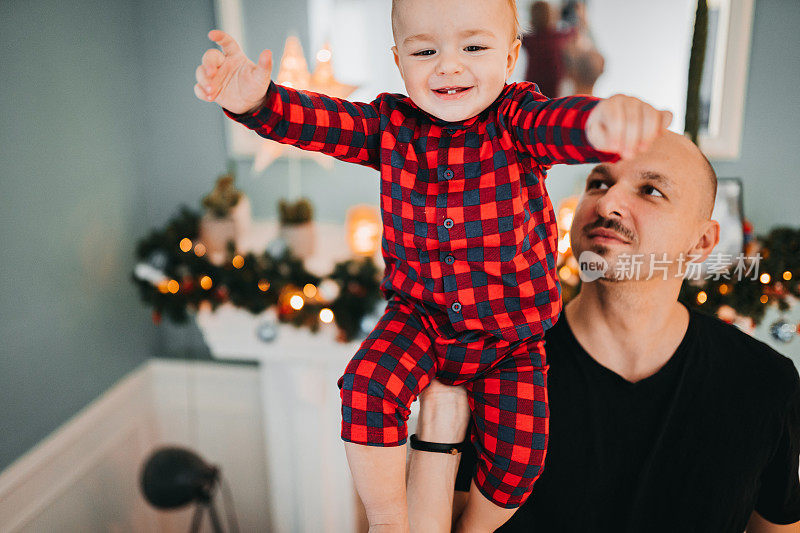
{"x": 513, "y": 55}
{"x": 707, "y": 240}
{"x": 397, "y": 61}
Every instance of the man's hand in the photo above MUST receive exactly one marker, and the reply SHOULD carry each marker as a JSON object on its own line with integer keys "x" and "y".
{"x": 625, "y": 125}
{"x": 444, "y": 413}
{"x": 443, "y": 418}
{"x": 229, "y": 78}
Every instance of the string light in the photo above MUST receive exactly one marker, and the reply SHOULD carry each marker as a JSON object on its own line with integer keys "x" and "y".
{"x": 326, "y": 315}
{"x": 163, "y": 287}
{"x": 765, "y": 278}
{"x": 173, "y": 286}
{"x": 787, "y": 276}
{"x": 185, "y": 244}
{"x": 263, "y": 285}
{"x": 764, "y": 298}
{"x": 310, "y": 290}
{"x": 205, "y": 282}
{"x": 238, "y": 261}
{"x": 723, "y": 289}
{"x": 199, "y": 249}
{"x": 296, "y": 302}
{"x": 702, "y": 297}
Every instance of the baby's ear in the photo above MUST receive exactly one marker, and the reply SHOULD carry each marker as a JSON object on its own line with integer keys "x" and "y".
{"x": 397, "y": 60}
{"x": 513, "y": 55}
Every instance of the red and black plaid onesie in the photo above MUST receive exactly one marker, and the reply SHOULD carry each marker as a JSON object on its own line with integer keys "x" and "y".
{"x": 469, "y": 242}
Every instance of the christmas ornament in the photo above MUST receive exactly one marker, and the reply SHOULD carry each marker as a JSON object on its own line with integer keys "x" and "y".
{"x": 782, "y": 331}
{"x": 267, "y": 331}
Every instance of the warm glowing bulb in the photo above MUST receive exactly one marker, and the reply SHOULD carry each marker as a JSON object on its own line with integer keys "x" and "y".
{"x": 723, "y": 289}
{"x": 185, "y": 244}
{"x": 787, "y": 276}
{"x": 199, "y": 249}
{"x": 702, "y": 297}
{"x": 296, "y": 302}
{"x": 564, "y": 244}
{"x": 765, "y": 278}
{"x": 173, "y": 286}
{"x": 565, "y": 272}
{"x": 310, "y": 290}
{"x": 163, "y": 287}
{"x": 326, "y": 315}
{"x": 263, "y": 285}
{"x": 205, "y": 282}
{"x": 764, "y": 298}
{"x": 238, "y": 261}
{"x": 323, "y": 56}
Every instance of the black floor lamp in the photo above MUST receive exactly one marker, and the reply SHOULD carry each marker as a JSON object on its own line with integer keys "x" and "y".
{"x": 173, "y": 477}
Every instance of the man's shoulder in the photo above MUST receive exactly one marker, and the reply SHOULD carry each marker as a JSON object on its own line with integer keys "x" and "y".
{"x": 738, "y": 352}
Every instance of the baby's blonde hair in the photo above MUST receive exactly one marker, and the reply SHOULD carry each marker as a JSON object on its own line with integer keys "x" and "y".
{"x": 512, "y": 4}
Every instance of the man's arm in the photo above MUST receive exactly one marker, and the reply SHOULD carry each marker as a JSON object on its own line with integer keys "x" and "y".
{"x": 778, "y": 498}
{"x": 349, "y": 131}
{"x": 443, "y": 417}
{"x": 758, "y": 524}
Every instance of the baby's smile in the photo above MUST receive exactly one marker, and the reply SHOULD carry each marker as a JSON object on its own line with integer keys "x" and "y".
{"x": 454, "y": 55}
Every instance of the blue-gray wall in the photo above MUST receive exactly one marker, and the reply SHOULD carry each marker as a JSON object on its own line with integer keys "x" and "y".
{"x": 72, "y": 202}
{"x": 102, "y": 138}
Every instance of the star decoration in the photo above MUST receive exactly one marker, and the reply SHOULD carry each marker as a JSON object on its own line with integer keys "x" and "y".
{"x": 293, "y": 72}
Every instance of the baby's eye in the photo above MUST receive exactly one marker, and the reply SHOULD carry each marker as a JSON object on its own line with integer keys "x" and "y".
{"x": 423, "y": 53}
{"x": 649, "y": 189}
{"x": 475, "y": 48}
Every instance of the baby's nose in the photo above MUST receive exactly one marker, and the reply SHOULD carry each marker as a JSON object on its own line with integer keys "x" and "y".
{"x": 449, "y": 63}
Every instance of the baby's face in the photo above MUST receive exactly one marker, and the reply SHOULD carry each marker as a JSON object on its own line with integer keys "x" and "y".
{"x": 462, "y": 45}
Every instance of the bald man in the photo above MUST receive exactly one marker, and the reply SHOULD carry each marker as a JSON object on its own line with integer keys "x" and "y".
{"x": 661, "y": 418}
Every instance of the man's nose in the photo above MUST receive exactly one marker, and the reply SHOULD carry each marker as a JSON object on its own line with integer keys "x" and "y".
{"x": 449, "y": 63}
{"x": 613, "y": 203}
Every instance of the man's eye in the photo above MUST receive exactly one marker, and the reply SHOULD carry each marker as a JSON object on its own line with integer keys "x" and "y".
{"x": 649, "y": 189}
{"x": 475, "y": 48}
{"x": 423, "y": 53}
{"x": 596, "y": 184}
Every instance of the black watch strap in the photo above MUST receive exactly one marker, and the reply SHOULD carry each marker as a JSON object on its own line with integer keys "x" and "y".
{"x": 437, "y": 447}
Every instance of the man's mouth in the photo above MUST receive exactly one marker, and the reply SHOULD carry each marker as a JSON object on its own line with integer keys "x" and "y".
{"x": 606, "y": 235}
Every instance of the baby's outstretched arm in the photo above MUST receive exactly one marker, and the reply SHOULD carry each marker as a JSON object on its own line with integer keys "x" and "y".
{"x": 312, "y": 121}
{"x": 584, "y": 129}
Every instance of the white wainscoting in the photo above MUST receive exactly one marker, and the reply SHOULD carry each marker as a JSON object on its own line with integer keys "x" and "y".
{"x": 84, "y": 477}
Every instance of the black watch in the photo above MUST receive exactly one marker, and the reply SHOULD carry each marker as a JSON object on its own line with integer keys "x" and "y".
{"x": 452, "y": 449}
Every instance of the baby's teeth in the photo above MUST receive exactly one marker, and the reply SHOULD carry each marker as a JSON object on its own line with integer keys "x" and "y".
{"x": 451, "y": 91}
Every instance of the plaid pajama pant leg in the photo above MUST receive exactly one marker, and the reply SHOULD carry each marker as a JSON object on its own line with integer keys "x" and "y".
{"x": 505, "y": 383}
{"x": 391, "y": 367}
{"x": 510, "y": 414}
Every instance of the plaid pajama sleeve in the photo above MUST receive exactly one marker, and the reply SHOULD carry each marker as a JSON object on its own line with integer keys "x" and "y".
{"x": 349, "y": 131}
{"x": 553, "y": 130}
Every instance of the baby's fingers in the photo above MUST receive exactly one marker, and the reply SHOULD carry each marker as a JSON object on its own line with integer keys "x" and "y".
{"x": 201, "y": 93}
{"x": 205, "y": 81}
{"x": 212, "y": 60}
{"x": 632, "y": 134}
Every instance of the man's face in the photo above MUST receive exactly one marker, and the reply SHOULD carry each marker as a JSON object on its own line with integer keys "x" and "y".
{"x": 646, "y": 207}
{"x": 454, "y": 55}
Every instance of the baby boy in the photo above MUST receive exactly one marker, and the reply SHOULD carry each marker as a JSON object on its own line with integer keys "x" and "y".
{"x": 469, "y": 237}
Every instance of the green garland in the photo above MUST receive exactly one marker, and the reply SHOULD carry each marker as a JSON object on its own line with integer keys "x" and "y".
{"x": 778, "y": 279}
{"x": 253, "y": 282}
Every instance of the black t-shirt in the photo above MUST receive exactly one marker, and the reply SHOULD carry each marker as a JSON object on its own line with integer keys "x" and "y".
{"x": 697, "y": 446}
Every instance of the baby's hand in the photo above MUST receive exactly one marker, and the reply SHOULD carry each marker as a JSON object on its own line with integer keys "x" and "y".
{"x": 625, "y": 125}
{"x": 229, "y": 78}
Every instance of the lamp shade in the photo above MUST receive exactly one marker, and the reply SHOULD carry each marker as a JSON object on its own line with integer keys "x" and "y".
{"x": 173, "y": 477}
